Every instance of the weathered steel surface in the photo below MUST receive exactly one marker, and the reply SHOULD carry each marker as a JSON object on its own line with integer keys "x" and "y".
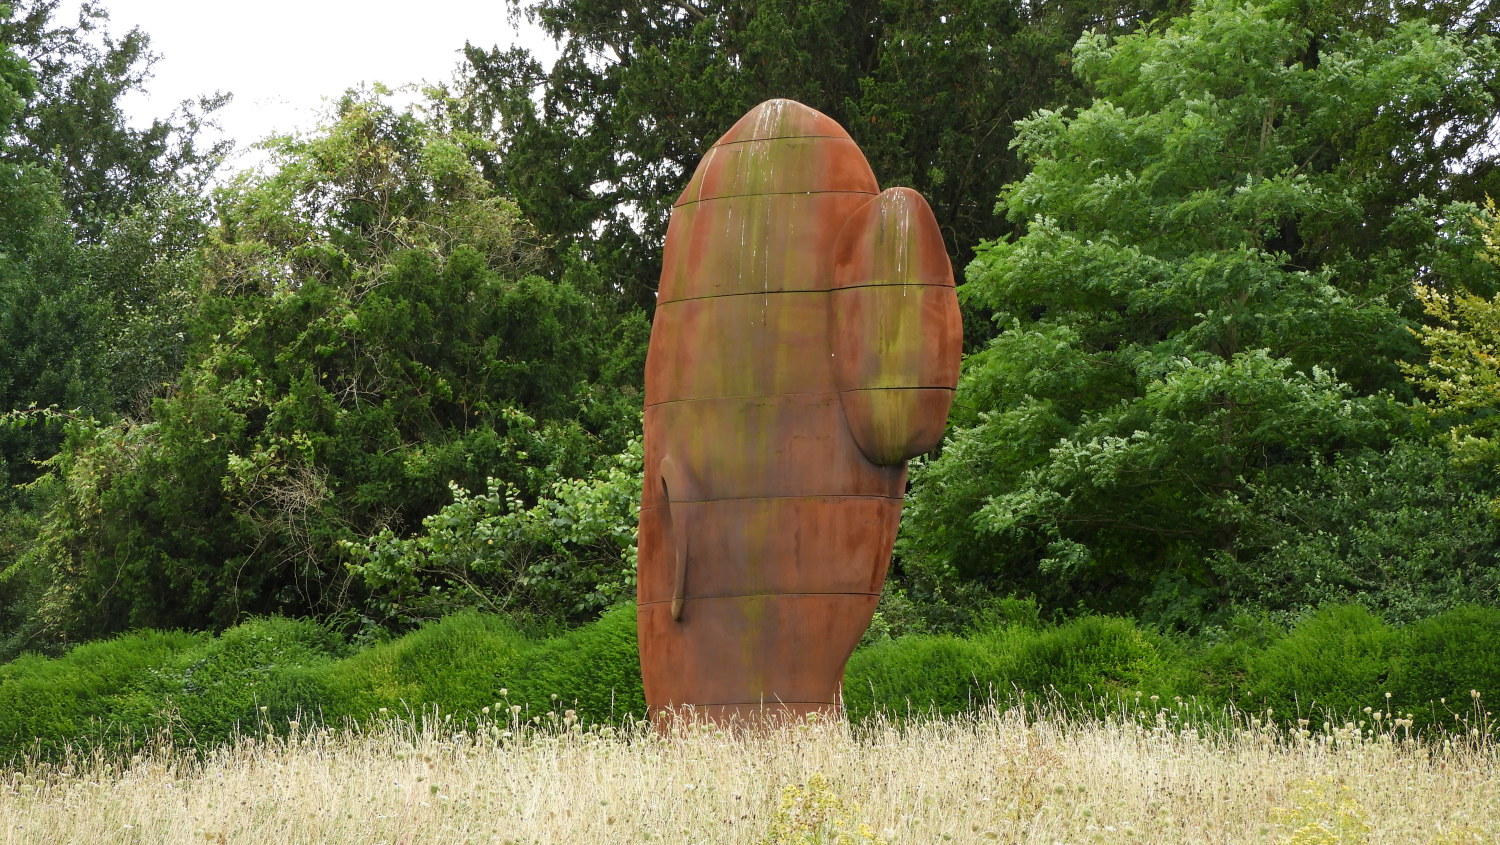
{"x": 805, "y": 346}
{"x": 768, "y": 648}
{"x": 695, "y": 264}
{"x": 765, "y": 546}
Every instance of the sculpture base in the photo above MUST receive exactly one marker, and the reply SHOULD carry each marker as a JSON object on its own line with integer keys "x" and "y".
{"x": 738, "y": 718}
{"x": 785, "y": 650}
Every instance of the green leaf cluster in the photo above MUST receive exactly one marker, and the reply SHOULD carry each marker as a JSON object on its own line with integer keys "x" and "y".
{"x": 99, "y": 224}
{"x": 75, "y": 128}
{"x": 1461, "y": 373}
{"x": 1210, "y": 300}
{"x": 368, "y": 330}
{"x": 570, "y": 555}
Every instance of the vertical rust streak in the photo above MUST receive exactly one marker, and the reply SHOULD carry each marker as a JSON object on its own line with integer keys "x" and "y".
{"x": 805, "y": 345}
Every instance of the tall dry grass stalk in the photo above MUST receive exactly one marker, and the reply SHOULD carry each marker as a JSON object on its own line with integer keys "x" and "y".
{"x": 998, "y": 776}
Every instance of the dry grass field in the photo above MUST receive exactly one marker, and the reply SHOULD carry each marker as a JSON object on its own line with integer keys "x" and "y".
{"x": 997, "y": 777}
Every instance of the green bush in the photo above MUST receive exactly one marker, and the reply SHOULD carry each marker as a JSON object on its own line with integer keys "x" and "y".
{"x": 917, "y": 674}
{"x": 453, "y": 665}
{"x": 1079, "y": 661}
{"x": 1405, "y": 532}
{"x": 49, "y": 703}
{"x": 256, "y": 676}
{"x": 1443, "y": 660}
{"x": 1333, "y": 663}
{"x": 1215, "y": 669}
{"x": 362, "y": 336}
{"x": 471, "y": 660}
{"x": 569, "y": 555}
{"x": 595, "y": 670}
{"x": 207, "y": 695}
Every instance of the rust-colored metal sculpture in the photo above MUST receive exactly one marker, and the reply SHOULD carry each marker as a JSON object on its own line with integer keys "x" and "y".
{"x": 805, "y": 346}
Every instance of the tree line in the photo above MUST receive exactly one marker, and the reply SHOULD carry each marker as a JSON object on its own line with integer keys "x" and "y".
{"x": 1230, "y": 277}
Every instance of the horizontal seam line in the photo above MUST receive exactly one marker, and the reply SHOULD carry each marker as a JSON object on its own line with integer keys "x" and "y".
{"x": 738, "y": 396}
{"x": 901, "y": 498}
{"x": 780, "y": 138}
{"x": 773, "y": 194}
{"x": 774, "y": 395}
{"x": 764, "y": 702}
{"x": 890, "y": 285}
{"x": 750, "y": 596}
{"x": 744, "y": 293}
{"x": 770, "y": 498}
{"x": 661, "y": 303}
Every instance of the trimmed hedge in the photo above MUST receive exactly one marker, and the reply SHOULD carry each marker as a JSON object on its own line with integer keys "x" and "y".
{"x": 47, "y": 704}
{"x": 207, "y": 695}
{"x": 594, "y": 670}
{"x": 1079, "y": 661}
{"x": 453, "y": 664}
{"x": 469, "y": 661}
{"x": 1443, "y": 662}
{"x": 203, "y": 690}
{"x": 1334, "y": 663}
{"x": 257, "y": 676}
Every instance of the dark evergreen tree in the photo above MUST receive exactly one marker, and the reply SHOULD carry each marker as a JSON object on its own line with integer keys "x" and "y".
{"x": 74, "y": 125}
{"x": 370, "y": 332}
{"x": 92, "y": 316}
{"x": 596, "y": 148}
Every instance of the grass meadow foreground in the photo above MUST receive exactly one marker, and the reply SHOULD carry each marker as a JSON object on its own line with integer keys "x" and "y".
{"x": 993, "y": 777}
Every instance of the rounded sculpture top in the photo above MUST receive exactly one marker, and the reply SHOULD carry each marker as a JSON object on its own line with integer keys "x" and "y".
{"x": 780, "y": 147}
{"x": 781, "y": 118}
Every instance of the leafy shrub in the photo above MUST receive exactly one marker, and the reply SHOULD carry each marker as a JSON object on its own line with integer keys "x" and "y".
{"x": 1442, "y": 661}
{"x": 454, "y": 664}
{"x": 120, "y": 692}
{"x": 1177, "y": 328}
{"x": 1079, "y": 661}
{"x": 918, "y": 674}
{"x": 1334, "y": 662}
{"x": 367, "y": 330}
{"x": 913, "y": 603}
{"x": 1215, "y": 667}
{"x": 470, "y": 660}
{"x": 206, "y": 695}
{"x": 569, "y": 555}
{"x": 595, "y": 670}
{"x": 48, "y": 703}
{"x": 1404, "y": 532}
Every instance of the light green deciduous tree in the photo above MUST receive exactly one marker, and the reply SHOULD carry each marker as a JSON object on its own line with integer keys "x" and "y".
{"x": 1212, "y": 293}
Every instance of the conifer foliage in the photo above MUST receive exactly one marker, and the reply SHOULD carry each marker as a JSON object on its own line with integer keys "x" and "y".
{"x": 371, "y": 330}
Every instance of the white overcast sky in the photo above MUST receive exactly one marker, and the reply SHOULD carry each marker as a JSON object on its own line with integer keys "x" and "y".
{"x": 282, "y": 59}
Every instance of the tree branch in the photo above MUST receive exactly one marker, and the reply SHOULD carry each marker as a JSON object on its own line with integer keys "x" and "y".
{"x": 692, "y": 10}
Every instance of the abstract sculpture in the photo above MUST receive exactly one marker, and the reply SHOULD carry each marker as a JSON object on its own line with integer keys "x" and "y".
{"x": 805, "y": 346}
